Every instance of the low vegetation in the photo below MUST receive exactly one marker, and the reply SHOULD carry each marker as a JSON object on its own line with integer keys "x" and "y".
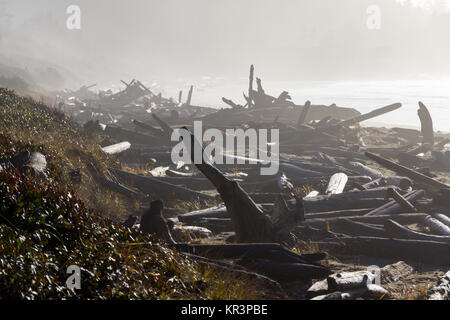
{"x": 49, "y": 223}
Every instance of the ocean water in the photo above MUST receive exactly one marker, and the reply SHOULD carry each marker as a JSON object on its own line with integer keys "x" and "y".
{"x": 363, "y": 96}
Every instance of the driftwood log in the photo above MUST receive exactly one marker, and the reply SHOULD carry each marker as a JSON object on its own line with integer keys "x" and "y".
{"x": 430, "y": 252}
{"x": 396, "y": 230}
{"x": 393, "y": 206}
{"x": 410, "y": 173}
{"x": 286, "y": 272}
{"x": 442, "y": 218}
{"x": 161, "y": 189}
{"x": 402, "y": 218}
{"x": 427, "y": 125}
{"x": 436, "y": 226}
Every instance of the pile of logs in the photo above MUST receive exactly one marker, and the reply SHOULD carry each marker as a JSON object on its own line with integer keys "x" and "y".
{"x": 348, "y": 190}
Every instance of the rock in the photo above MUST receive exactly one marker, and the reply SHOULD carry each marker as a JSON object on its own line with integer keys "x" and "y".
{"x": 34, "y": 160}
{"x": 395, "y": 272}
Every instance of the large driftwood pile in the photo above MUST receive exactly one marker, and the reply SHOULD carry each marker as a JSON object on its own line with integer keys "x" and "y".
{"x": 350, "y": 190}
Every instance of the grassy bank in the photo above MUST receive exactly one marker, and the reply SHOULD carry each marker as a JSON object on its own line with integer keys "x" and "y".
{"x": 49, "y": 223}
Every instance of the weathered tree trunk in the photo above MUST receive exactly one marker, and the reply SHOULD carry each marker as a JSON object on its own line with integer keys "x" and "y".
{"x": 250, "y": 223}
{"x": 403, "y": 202}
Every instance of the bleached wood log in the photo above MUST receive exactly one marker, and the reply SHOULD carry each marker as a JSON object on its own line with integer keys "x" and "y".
{"x": 117, "y": 148}
{"x": 410, "y": 173}
{"x": 219, "y": 211}
{"x": 337, "y": 184}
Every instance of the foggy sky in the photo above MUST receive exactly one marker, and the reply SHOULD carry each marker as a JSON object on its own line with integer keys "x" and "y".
{"x": 287, "y": 39}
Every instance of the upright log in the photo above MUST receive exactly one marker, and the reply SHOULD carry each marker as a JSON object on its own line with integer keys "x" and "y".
{"x": 250, "y": 87}
{"x": 189, "y": 99}
{"x": 304, "y": 113}
{"x": 441, "y": 290}
{"x": 426, "y": 124}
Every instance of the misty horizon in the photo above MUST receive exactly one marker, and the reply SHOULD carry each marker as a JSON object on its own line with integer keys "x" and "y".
{"x": 287, "y": 40}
